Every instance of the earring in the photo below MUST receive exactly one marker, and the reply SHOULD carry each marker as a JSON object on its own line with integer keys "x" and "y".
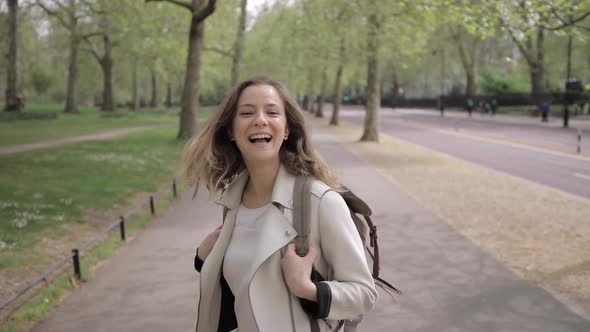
{"x": 286, "y": 136}
{"x": 232, "y": 138}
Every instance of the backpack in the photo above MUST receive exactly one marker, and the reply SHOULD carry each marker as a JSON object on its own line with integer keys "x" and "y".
{"x": 361, "y": 216}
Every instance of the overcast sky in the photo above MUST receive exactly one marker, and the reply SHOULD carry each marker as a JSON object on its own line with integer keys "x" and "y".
{"x": 254, "y": 4}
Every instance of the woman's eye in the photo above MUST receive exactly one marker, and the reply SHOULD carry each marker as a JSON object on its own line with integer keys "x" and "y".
{"x": 273, "y": 113}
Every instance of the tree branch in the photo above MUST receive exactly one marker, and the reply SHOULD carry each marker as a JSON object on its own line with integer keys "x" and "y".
{"x": 219, "y": 51}
{"x": 92, "y": 49}
{"x": 93, "y": 34}
{"x": 55, "y": 14}
{"x": 564, "y": 23}
{"x": 94, "y": 9}
{"x": 518, "y": 43}
{"x": 205, "y": 12}
{"x": 183, "y": 4}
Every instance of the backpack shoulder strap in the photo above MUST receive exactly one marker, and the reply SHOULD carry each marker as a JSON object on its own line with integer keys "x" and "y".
{"x": 225, "y": 211}
{"x": 302, "y": 213}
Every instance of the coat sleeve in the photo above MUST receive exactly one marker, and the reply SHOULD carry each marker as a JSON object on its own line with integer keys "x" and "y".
{"x": 352, "y": 289}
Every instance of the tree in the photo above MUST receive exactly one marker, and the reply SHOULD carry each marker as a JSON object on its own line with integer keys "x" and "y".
{"x": 102, "y": 14}
{"x": 371, "y": 127}
{"x": 239, "y": 45}
{"x": 41, "y": 81}
{"x": 68, "y": 14}
{"x": 15, "y": 101}
{"x": 527, "y": 22}
{"x": 199, "y": 10}
{"x": 468, "y": 47}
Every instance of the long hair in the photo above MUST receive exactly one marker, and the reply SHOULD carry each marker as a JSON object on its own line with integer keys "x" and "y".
{"x": 212, "y": 158}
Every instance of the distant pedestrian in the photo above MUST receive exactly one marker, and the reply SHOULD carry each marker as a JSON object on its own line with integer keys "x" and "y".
{"x": 494, "y": 106}
{"x": 469, "y": 105}
{"x": 545, "y": 108}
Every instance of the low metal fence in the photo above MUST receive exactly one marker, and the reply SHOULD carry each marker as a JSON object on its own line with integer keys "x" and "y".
{"x": 76, "y": 254}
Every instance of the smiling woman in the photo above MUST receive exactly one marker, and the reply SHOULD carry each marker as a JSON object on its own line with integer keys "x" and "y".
{"x": 253, "y": 152}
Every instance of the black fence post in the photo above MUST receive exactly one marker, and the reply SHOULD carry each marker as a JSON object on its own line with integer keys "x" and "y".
{"x": 122, "y": 225}
{"x": 152, "y": 209}
{"x": 76, "y": 257}
{"x": 174, "y": 187}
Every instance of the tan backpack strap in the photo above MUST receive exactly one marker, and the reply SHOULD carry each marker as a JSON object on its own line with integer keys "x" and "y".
{"x": 301, "y": 214}
{"x": 225, "y": 211}
{"x": 374, "y": 245}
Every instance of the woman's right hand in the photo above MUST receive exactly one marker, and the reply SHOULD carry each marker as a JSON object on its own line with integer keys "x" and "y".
{"x": 207, "y": 244}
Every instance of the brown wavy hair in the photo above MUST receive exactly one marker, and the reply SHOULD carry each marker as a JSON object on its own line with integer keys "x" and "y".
{"x": 212, "y": 158}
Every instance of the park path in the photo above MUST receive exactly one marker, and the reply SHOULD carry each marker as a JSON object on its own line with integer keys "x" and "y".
{"x": 106, "y": 135}
{"x": 449, "y": 283}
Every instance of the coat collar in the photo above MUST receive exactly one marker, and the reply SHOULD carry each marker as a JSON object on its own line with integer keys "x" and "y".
{"x": 282, "y": 191}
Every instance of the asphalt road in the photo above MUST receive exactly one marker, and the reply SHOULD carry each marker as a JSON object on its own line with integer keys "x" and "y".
{"x": 508, "y": 152}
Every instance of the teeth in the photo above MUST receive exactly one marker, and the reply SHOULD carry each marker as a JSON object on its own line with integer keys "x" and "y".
{"x": 260, "y": 136}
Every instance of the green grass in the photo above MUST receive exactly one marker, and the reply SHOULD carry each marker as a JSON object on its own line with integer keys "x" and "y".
{"x": 90, "y": 120}
{"x": 46, "y": 189}
{"x": 50, "y": 296}
{"x": 44, "y": 193}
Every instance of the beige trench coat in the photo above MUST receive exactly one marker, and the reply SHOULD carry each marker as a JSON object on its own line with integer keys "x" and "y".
{"x": 341, "y": 258}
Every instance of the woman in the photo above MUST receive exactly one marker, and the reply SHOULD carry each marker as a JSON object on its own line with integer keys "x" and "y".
{"x": 251, "y": 278}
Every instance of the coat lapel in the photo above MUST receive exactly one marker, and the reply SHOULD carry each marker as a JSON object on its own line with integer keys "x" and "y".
{"x": 210, "y": 286}
{"x": 276, "y": 231}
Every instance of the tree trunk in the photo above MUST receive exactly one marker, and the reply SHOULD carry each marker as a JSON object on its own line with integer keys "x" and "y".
{"x": 396, "y": 89}
{"x": 190, "y": 97}
{"x": 568, "y": 68}
{"x": 371, "y": 129}
{"x": 15, "y": 101}
{"x": 305, "y": 104}
{"x": 338, "y": 84}
{"x": 470, "y": 88}
{"x": 320, "y": 109}
{"x": 537, "y": 71}
{"x": 72, "y": 88}
{"x": 337, "y": 95}
{"x": 154, "y": 101}
{"x": 169, "y": 95}
{"x": 108, "y": 98}
{"x": 135, "y": 101}
{"x": 239, "y": 45}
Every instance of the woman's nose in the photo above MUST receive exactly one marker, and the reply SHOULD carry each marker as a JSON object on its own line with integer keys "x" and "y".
{"x": 260, "y": 119}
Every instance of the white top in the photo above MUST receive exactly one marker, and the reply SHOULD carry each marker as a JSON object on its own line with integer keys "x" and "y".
{"x": 244, "y": 240}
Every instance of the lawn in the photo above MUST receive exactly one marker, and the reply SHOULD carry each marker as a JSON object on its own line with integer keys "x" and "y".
{"x": 54, "y": 200}
{"x": 90, "y": 120}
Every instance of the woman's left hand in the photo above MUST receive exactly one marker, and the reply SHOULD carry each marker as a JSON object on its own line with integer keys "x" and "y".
{"x": 297, "y": 272}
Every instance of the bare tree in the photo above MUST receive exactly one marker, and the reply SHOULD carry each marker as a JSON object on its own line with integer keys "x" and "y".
{"x": 468, "y": 47}
{"x": 105, "y": 60}
{"x": 200, "y": 10}
{"x": 371, "y": 128}
{"x": 324, "y": 85}
{"x": 15, "y": 101}
{"x": 338, "y": 84}
{"x": 154, "y": 100}
{"x": 68, "y": 14}
{"x": 239, "y": 45}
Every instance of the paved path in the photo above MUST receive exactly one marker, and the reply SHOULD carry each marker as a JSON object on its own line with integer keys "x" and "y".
{"x": 73, "y": 140}
{"x": 448, "y": 283}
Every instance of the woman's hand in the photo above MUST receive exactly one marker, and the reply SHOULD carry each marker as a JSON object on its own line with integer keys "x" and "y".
{"x": 207, "y": 244}
{"x": 297, "y": 272}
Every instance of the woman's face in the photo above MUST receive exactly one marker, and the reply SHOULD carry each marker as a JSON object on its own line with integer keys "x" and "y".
{"x": 260, "y": 124}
